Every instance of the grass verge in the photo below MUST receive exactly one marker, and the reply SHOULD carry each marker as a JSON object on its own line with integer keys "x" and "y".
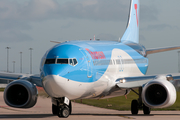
{"x": 121, "y": 103}
{"x": 2, "y": 89}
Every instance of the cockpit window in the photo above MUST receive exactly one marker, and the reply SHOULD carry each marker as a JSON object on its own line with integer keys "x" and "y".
{"x": 50, "y": 61}
{"x": 70, "y": 61}
{"x": 62, "y": 61}
{"x": 75, "y": 61}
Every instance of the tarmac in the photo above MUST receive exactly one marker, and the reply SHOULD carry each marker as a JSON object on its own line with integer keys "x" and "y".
{"x": 42, "y": 111}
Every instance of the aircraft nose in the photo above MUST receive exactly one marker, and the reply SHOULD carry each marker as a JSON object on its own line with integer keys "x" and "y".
{"x": 55, "y": 69}
{"x": 53, "y": 85}
{"x": 50, "y": 70}
{"x": 53, "y": 80}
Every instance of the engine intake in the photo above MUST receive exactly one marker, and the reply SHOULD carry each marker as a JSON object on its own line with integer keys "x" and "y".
{"x": 20, "y": 94}
{"x": 159, "y": 94}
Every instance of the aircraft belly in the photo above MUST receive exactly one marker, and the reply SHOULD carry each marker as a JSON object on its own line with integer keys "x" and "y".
{"x": 116, "y": 93}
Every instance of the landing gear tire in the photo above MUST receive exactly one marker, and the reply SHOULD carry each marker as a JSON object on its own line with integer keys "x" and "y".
{"x": 54, "y": 109}
{"x": 65, "y": 112}
{"x": 63, "y": 108}
{"x": 134, "y": 107}
{"x": 59, "y": 112}
{"x": 70, "y": 107}
{"x": 146, "y": 110}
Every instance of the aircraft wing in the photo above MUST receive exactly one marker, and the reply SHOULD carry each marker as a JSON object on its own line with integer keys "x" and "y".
{"x": 35, "y": 79}
{"x": 157, "y": 50}
{"x": 139, "y": 81}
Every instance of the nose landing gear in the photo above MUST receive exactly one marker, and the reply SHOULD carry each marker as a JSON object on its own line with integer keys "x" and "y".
{"x": 63, "y": 111}
{"x": 63, "y": 107}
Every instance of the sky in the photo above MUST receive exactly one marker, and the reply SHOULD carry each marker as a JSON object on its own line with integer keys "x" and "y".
{"x": 33, "y": 24}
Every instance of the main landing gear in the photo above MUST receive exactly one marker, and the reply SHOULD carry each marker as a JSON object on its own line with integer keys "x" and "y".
{"x": 63, "y": 107}
{"x": 137, "y": 104}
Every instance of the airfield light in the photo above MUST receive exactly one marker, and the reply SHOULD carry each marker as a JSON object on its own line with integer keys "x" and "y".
{"x": 30, "y": 60}
{"x": 20, "y": 62}
{"x": 8, "y": 58}
{"x": 14, "y": 66}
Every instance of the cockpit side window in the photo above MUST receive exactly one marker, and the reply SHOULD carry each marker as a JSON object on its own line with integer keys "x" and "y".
{"x": 50, "y": 61}
{"x": 70, "y": 61}
{"x": 62, "y": 61}
{"x": 75, "y": 61}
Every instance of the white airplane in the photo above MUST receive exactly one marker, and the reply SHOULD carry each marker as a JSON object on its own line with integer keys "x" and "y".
{"x": 95, "y": 69}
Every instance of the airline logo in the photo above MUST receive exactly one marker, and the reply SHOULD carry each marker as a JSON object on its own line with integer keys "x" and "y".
{"x": 136, "y": 7}
{"x": 96, "y": 54}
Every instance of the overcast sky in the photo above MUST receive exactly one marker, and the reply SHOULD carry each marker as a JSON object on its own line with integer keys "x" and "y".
{"x": 33, "y": 24}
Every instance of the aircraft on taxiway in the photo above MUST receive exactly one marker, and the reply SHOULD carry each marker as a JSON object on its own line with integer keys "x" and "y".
{"x": 95, "y": 69}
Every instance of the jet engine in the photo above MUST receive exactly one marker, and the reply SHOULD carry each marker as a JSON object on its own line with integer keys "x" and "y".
{"x": 159, "y": 93}
{"x": 20, "y": 94}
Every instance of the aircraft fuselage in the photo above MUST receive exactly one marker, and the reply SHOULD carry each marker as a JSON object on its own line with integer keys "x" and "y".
{"x": 89, "y": 69}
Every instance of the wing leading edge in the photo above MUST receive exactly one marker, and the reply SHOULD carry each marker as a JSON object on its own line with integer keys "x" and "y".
{"x": 35, "y": 79}
{"x": 139, "y": 81}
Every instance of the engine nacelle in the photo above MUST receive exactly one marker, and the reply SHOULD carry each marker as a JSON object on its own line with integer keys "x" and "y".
{"x": 159, "y": 93}
{"x": 20, "y": 94}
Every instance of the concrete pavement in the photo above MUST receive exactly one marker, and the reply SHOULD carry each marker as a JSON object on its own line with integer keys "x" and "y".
{"x": 42, "y": 110}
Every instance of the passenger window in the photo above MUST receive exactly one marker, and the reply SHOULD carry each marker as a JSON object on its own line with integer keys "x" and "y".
{"x": 62, "y": 61}
{"x": 50, "y": 61}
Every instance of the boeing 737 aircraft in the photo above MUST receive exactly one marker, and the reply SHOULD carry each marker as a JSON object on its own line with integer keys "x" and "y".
{"x": 95, "y": 70}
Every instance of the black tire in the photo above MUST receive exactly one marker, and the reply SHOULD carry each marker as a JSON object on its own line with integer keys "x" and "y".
{"x": 65, "y": 112}
{"x": 70, "y": 108}
{"x": 59, "y": 112}
{"x": 134, "y": 107}
{"x": 146, "y": 110}
{"x": 54, "y": 109}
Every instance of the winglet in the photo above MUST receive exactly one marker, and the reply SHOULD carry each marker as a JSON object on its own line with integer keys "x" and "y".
{"x": 132, "y": 30}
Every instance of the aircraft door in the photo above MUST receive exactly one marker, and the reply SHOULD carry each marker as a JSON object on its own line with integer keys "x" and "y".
{"x": 89, "y": 65}
{"x": 89, "y": 62}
